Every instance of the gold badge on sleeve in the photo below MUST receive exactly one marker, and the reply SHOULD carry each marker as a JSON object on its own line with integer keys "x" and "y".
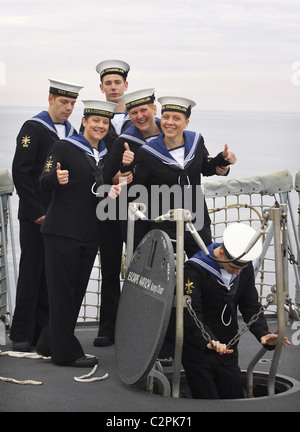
{"x": 48, "y": 165}
{"x": 189, "y": 286}
{"x": 25, "y": 141}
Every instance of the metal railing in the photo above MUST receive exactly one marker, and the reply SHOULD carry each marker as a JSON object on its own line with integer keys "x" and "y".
{"x": 237, "y": 200}
{"x": 6, "y": 233}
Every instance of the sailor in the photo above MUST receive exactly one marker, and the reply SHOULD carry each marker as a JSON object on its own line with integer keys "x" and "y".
{"x": 36, "y": 137}
{"x": 216, "y": 290}
{"x": 145, "y": 128}
{"x": 178, "y": 157}
{"x": 70, "y": 230}
{"x": 113, "y": 83}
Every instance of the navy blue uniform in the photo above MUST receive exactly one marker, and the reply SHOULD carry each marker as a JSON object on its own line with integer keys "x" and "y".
{"x": 71, "y": 242}
{"x": 155, "y": 165}
{"x": 211, "y": 376}
{"x": 33, "y": 143}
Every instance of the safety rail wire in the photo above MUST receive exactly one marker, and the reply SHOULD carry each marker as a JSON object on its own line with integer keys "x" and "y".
{"x": 237, "y": 200}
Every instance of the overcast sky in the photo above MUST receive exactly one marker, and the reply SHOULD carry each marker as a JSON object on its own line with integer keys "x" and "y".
{"x": 224, "y": 54}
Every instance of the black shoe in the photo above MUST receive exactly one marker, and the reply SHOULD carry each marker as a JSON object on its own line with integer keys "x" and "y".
{"x": 21, "y": 346}
{"x": 85, "y": 362}
{"x": 102, "y": 341}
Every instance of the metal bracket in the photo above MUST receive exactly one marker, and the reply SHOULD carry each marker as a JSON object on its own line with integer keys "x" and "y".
{"x": 166, "y": 387}
{"x": 185, "y": 298}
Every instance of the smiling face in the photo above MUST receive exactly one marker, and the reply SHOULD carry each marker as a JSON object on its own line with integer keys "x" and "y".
{"x": 95, "y": 128}
{"x": 173, "y": 124}
{"x": 143, "y": 117}
{"x": 114, "y": 87}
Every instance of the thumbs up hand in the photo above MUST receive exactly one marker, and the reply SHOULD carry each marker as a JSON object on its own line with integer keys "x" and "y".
{"x": 229, "y": 156}
{"x": 115, "y": 190}
{"x": 128, "y": 155}
{"x": 62, "y": 175}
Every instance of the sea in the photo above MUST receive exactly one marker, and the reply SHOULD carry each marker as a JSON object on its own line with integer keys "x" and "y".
{"x": 264, "y": 142}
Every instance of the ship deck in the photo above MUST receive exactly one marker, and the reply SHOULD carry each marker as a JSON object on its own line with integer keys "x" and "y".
{"x": 61, "y": 393}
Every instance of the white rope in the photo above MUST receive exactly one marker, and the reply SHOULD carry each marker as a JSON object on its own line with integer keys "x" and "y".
{"x": 17, "y": 354}
{"x": 35, "y": 356}
{"x": 26, "y": 382}
{"x": 87, "y": 379}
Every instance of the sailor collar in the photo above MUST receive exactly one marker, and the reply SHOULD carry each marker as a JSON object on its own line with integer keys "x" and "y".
{"x": 159, "y": 150}
{"x": 82, "y": 143}
{"x": 45, "y": 119}
{"x": 133, "y": 134}
{"x": 212, "y": 267}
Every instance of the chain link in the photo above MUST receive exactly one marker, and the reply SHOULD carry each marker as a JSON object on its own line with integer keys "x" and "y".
{"x": 236, "y": 338}
{"x": 292, "y": 258}
{"x": 198, "y": 323}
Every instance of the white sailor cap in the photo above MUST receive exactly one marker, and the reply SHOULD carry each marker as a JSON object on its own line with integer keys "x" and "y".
{"x": 99, "y": 108}
{"x": 178, "y": 104}
{"x": 64, "y": 88}
{"x": 108, "y": 67}
{"x": 138, "y": 98}
{"x": 236, "y": 238}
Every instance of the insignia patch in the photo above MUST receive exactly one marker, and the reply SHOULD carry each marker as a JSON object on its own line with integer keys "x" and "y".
{"x": 48, "y": 165}
{"x": 25, "y": 141}
{"x": 189, "y": 286}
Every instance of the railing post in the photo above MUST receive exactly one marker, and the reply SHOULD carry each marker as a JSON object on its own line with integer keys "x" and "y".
{"x": 278, "y": 215}
{"x": 297, "y": 187}
{"x": 135, "y": 212}
{"x": 179, "y": 217}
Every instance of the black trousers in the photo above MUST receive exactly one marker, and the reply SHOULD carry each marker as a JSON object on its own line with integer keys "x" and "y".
{"x": 111, "y": 246}
{"x": 68, "y": 267}
{"x": 211, "y": 376}
{"x": 32, "y": 309}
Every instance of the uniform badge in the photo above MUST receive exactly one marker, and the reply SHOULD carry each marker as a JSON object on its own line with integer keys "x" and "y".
{"x": 25, "y": 141}
{"x": 189, "y": 286}
{"x": 49, "y": 165}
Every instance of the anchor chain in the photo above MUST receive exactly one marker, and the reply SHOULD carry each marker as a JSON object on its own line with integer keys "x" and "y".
{"x": 236, "y": 338}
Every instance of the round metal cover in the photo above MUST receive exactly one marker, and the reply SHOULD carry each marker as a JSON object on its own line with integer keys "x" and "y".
{"x": 145, "y": 307}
